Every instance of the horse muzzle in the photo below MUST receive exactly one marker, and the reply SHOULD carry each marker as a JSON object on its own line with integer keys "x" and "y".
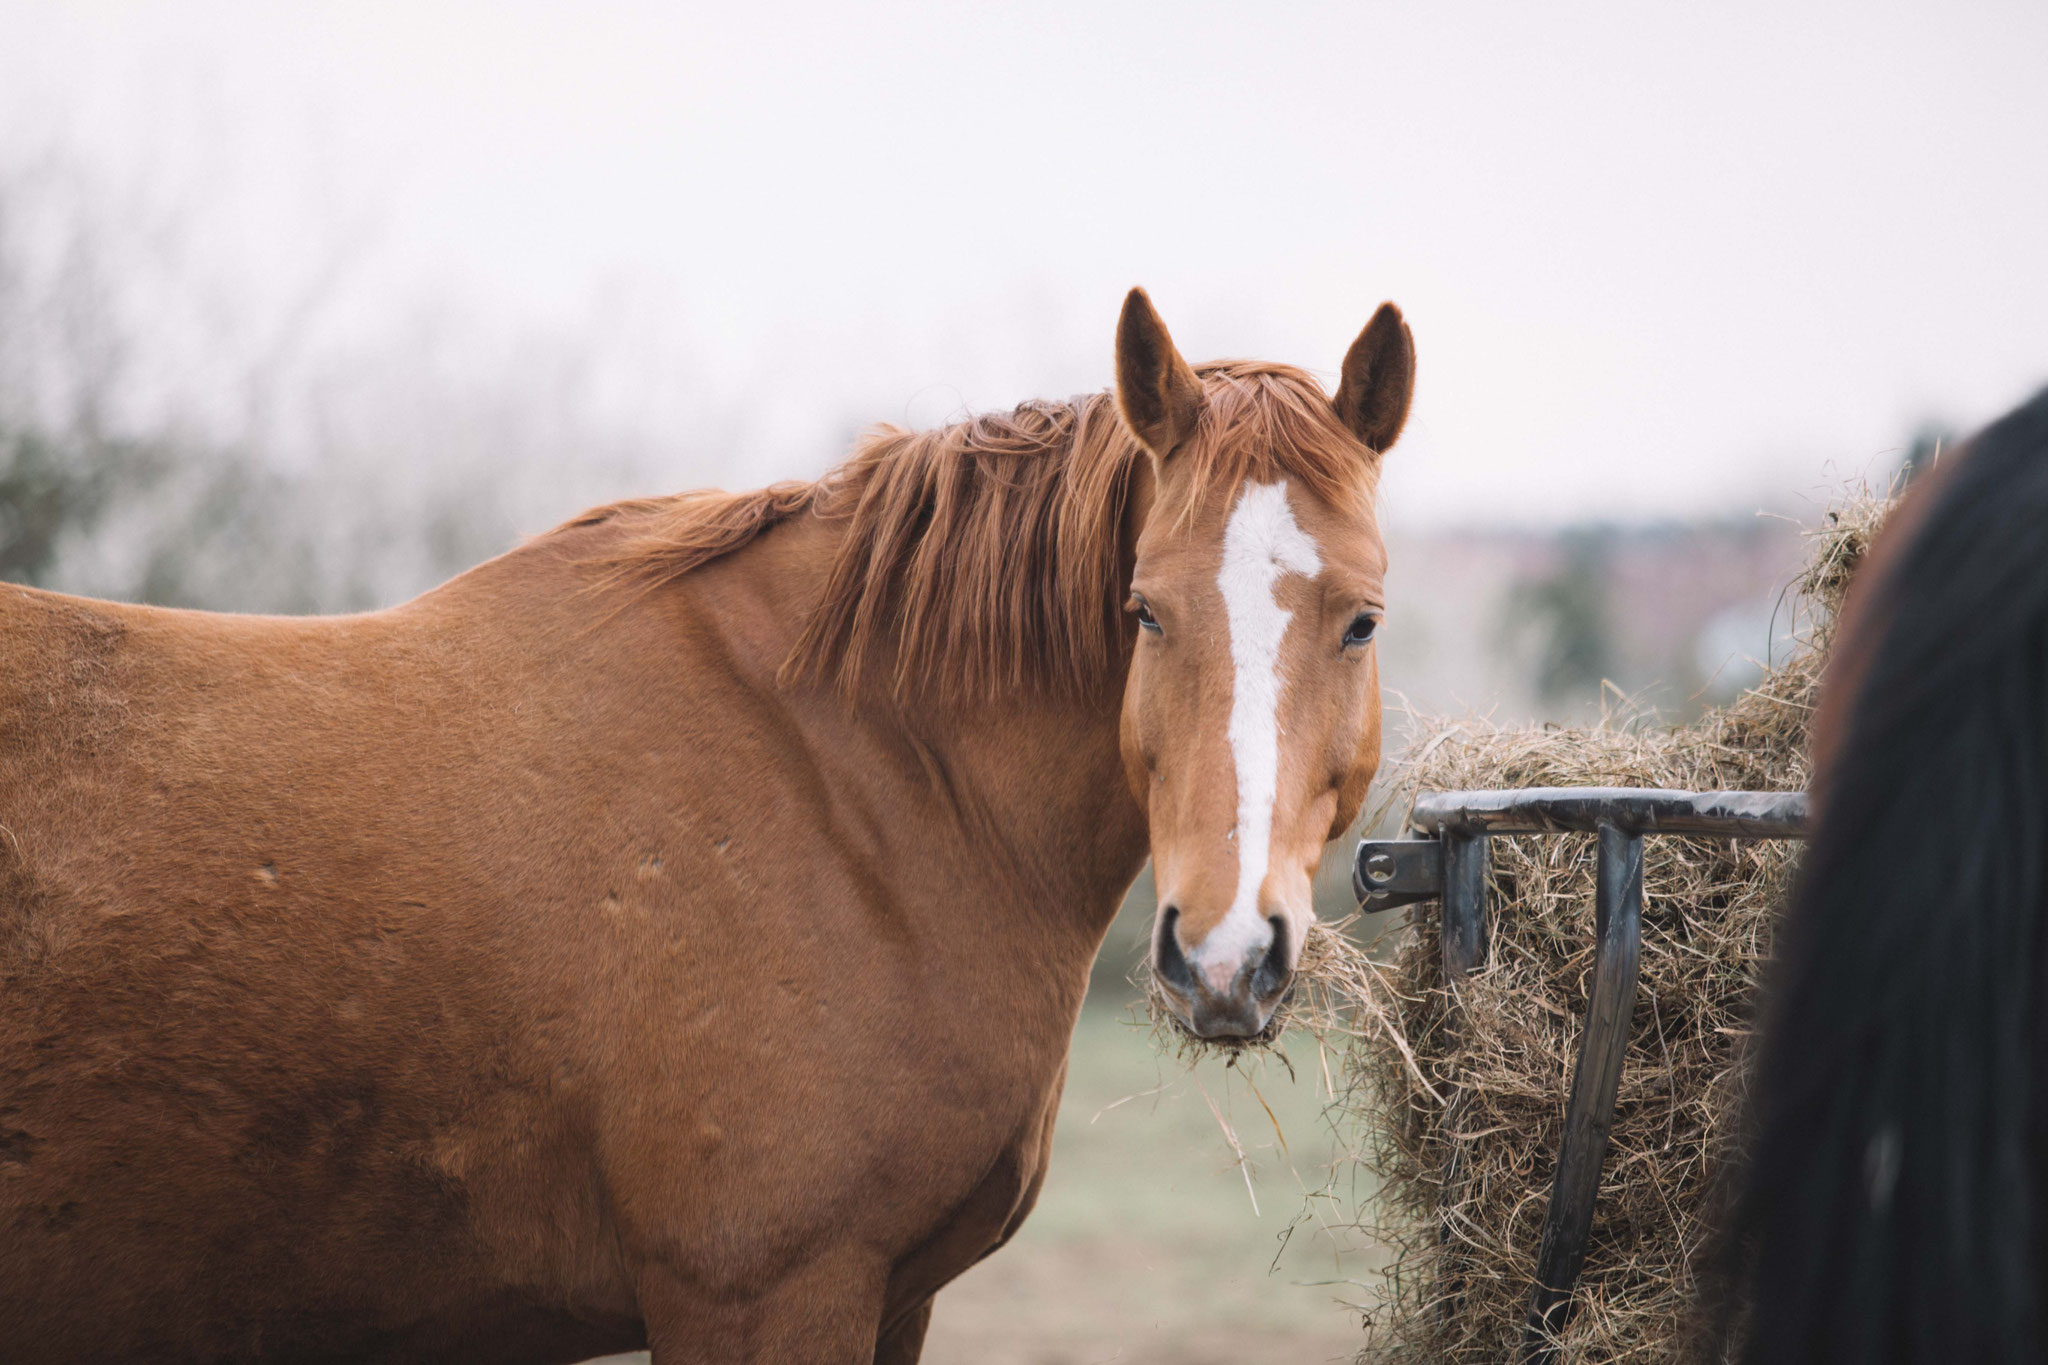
{"x": 1233, "y": 1001}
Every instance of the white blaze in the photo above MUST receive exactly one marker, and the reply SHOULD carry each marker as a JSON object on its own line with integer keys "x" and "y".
{"x": 1261, "y": 543}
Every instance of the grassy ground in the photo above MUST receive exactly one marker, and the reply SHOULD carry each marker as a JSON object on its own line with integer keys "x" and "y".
{"x": 1145, "y": 1246}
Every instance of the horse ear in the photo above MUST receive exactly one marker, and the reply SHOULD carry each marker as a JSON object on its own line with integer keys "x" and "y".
{"x": 1156, "y": 391}
{"x": 1379, "y": 377}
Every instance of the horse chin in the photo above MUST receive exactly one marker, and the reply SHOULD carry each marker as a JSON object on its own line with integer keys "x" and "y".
{"x": 1267, "y": 1033}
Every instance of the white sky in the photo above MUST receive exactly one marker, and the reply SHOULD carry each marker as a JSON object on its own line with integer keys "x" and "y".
{"x": 1658, "y": 259}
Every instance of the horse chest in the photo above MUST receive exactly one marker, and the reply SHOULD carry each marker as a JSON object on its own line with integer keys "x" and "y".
{"x": 986, "y": 1217}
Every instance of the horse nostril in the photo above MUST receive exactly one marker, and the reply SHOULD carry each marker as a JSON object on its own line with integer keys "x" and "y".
{"x": 1273, "y": 970}
{"x": 1167, "y": 959}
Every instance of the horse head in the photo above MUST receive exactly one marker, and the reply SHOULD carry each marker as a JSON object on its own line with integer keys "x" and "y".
{"x": 1250, "y": 727}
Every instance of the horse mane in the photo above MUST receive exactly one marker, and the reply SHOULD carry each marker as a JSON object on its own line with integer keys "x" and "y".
{"x": 988, "y": 556}
{"x": 1893, "y": 1205}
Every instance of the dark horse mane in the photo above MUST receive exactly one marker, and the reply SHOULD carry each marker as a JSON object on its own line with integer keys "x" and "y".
{"x": 986, "y": 557}
{"x": 1893, "y": 1208}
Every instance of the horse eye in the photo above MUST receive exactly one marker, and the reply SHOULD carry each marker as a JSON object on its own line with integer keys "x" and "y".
{"x": 1143, "y": 611}
{"x": 1361, "y": 629}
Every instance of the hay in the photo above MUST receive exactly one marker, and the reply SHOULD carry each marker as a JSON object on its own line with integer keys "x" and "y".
{"x": 1464, "y": 1257}
{"x": 1461, "y": 1261}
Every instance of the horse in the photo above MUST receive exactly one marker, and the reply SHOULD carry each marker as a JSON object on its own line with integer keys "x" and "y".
{"x": 671, "y": 932}
{"x": 1892, "y": 1205}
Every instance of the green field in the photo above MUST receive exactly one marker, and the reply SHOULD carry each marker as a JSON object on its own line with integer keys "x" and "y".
{"x": 1145, "y": 1246}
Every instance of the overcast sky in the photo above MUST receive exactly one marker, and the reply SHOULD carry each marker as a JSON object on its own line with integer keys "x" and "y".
{"x": 1658, "y": 259}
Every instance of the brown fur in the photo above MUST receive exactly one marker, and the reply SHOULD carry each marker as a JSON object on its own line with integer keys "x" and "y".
{"x": 548, "y": 966}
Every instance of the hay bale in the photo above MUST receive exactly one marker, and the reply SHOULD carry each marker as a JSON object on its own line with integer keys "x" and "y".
{"x": 1463, "y": 1260}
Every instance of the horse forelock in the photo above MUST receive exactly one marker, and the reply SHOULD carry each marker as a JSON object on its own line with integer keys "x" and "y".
{"x": 986, "y": 557}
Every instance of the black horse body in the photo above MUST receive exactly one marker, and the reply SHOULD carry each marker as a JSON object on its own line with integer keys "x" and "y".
{"x": 1894, "y": 1202}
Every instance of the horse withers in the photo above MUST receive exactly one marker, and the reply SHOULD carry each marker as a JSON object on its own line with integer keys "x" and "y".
{"x": 670, "y": 932}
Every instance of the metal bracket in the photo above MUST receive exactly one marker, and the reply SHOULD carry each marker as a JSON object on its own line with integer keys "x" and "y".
{"x": 1393, "y": 872}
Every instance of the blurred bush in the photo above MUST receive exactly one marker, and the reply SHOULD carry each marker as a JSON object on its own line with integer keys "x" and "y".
{"x": 175, "y": 430}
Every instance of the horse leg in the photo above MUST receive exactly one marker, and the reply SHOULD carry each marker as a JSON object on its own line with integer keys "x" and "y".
{"x": 903, "y": 1342}
{"x": 826, "y": 1313}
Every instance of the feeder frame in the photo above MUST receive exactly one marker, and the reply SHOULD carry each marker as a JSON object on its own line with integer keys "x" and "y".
{"x": 1447, "y": 860}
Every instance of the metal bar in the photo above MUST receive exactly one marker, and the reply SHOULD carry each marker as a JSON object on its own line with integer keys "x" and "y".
{"x": 1557, "y": 810}
{"x": 1589, "y": 1116}
{"x": 1464, "y": 918}
{"x": 1393, "y": 872}
{"x": 1463, "y": 930}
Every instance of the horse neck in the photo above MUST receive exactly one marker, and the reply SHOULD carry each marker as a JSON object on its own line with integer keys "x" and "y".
{"x": 1028, "y": 792}
{"x": 1048, "y": 771}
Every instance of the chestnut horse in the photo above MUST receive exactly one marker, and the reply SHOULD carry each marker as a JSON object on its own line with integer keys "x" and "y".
{"x": 672, "y": 931}
{"x": 1896, "y": 1206}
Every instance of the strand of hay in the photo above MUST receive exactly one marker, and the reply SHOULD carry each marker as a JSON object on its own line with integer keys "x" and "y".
{"x": 1486, "y": 1082}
